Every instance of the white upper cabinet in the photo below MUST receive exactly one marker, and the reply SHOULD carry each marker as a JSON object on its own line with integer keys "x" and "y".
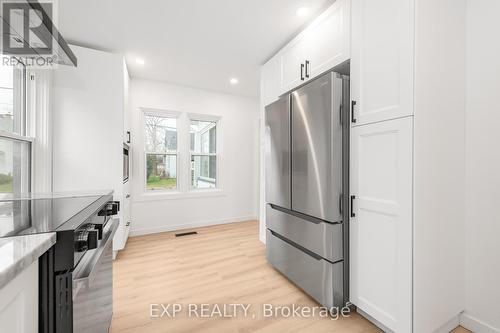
{"x": 381, "y": 221}
{"x": 382, "y": 48}
{"x": 271, "y": 81}
{"x": 327, "y": 39}
{"x": 324, "y": 44}
{"x": 126, "y": 104}
{"x": 293, "y": 65}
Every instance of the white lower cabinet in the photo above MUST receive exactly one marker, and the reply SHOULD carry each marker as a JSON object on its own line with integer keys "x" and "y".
{"x": 121, "y": 235}
{"x": 381, "y": 221}
{"x": 19, "y": 302}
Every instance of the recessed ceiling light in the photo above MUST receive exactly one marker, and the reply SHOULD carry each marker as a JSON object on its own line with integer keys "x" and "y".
{"x": 302, "y": 11}
{"x": 234, "y": 80}
{"x": 140, "y": 61}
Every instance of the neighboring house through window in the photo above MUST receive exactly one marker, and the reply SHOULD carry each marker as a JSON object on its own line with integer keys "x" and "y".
{"x": 161, "y": 152}
{"x": 197, "y": 156}
{"x": 203, "y": 154}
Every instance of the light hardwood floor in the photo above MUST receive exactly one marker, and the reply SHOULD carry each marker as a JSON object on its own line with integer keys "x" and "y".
{"x": 223, "y": 264}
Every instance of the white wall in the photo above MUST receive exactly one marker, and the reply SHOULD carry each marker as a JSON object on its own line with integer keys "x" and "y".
{"x": 239, "y": 160}
{"x": 483, "y": 168}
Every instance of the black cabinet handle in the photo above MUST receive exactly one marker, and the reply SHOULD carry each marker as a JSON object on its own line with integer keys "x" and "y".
{"x": 302, "y": 72}
{"x": 307, "y": 68}
{"x": 352, "y": 206}
{"x": 128, "y": 136}
{"x": 353, "y": 104}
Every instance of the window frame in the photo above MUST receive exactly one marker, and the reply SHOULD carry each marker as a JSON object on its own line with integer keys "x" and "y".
{"x": 215, "y": 121}
{"x": 184, "y": 187}
{"x": 162, "y": 114}
{"x": 26, "y": 132}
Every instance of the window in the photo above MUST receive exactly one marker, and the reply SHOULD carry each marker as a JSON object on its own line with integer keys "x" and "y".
{"x": 15, "y": 145}
{"x": 203, "y": 154}
{"x": 161, "y": 152}
{"x": 176, "y": 141}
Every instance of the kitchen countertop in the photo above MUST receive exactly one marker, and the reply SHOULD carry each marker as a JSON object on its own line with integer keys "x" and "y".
{"x": 19, "y": 252}
{"x": 29, "y": 222}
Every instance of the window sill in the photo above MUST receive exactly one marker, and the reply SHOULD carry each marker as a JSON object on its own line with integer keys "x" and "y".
{"x": 176, "y": 195}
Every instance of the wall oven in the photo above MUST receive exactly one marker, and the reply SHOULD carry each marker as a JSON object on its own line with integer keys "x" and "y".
{"x": 126, "y": 162}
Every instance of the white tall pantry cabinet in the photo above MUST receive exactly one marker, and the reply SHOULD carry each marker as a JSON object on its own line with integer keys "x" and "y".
{"x": 407, "y": 177}
{"x": 91, "y": 114}
{"x": 407, "y": 162}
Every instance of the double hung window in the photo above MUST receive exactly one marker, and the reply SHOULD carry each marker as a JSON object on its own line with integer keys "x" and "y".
{"x": 15, "y": 143}
{"x": 180, "y": 142}
{"x": 161, "y": 152}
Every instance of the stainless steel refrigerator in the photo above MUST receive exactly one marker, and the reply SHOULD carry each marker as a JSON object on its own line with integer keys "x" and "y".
{"x": 307, "y": 151}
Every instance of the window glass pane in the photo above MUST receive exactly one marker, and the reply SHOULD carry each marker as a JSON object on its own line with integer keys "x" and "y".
{"x": 203, "y": 171}
{"x": 14, "y": 166}
{"x": 212, "y": 172}
{"x": 161, "y": 134}
{"x": 203, "y": 137}
{"x": 161, "y": 173}
{"x": 11, "y": 99}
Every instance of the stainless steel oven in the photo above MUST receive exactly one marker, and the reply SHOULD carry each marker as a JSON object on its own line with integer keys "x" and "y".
{"x": 126, "y": 162}
{"x": 93, "y": 286}
{"x": 76, "y": 274}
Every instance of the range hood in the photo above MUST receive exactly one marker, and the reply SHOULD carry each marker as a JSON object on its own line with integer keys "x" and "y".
{"x": 47, "y": 34}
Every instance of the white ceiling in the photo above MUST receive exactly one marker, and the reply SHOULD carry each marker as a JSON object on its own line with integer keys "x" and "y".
{"x": 199, "y": 43}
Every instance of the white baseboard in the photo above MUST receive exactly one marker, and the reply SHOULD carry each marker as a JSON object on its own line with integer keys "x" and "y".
{"x": 166, "y": 228}
{"x": 450, "y": 325}
{"x": 475, "y": 325}
{"x": 262, "y": 237}
{"x": 373, "y": 321}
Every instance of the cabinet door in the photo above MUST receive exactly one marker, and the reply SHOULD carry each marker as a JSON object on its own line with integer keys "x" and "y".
{"x": 381, "y": 230}
{"x": 121, "y": 234}
{"x": 126, "y": 104}
{"x": 328, "y": 40}
{"x": 382, "y": 59}
{"x": 292, "y": 58}
{"x": 19, "y": 301}
{"x": 271, "y": 81}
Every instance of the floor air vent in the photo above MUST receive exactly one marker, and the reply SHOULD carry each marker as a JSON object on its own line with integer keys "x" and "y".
{"x": 186, "y": 234}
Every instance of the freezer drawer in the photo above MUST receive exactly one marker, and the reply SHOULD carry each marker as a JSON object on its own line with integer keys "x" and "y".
{"x": 277, "y": 157}
{"x": 324, "y": 239}
{"x": 317, "y": 148}
{"x": 319, "y": 278}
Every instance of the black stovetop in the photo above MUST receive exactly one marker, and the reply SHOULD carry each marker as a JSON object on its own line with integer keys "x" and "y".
{"x": 40, "y": 215}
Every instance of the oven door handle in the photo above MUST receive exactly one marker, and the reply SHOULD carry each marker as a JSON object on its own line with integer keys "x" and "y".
{"x": 84, "y": 275}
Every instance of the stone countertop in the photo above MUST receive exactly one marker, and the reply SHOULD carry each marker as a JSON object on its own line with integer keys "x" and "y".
{"x": 19, "y": 252}
{"x": 53, "y": 195}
